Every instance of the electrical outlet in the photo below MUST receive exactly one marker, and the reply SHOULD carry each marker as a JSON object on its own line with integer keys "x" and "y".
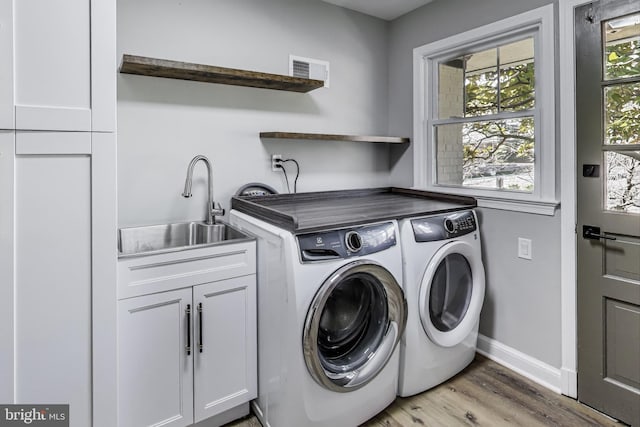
{"x": 524, "y": 248}
{"x": 275, "y": 166}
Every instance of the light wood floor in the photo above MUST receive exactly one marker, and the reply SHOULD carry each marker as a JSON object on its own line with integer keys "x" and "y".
{"x": 484, "y": 394}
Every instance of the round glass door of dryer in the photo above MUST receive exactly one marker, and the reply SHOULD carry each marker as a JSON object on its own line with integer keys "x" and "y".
{"x": 451, "y": 294}
{"x": 353, "y": 326}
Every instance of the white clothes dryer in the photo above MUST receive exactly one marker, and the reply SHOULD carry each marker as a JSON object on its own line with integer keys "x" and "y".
{"x": 331, "y": 311}
{"x": 444, "y": 283}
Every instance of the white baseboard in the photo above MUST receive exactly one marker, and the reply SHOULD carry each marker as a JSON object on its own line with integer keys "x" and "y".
{"x": 569, "y": 382}
{"x": 525, "y": 365}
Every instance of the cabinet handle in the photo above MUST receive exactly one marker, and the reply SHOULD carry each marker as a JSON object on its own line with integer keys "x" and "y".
{"x": 200, "y": 326}
{"x": 188, "y": 347}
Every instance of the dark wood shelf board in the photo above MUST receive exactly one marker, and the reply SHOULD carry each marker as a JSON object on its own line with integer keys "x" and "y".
{"x": 331, "y": 137}
{"x": 154, "y": 67}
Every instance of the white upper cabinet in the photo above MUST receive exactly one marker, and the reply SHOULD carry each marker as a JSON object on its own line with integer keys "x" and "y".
{"x": 58, "y": 67}
{"x": 6, "y": 65}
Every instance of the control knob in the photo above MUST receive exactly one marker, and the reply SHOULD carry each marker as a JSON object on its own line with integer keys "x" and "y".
{"x": 353, "y": 240}
{"x": 449, "y": 225}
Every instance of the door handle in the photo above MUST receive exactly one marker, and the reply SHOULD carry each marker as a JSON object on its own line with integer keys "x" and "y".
{"x": 592, "y": 232}
{"x": 200, "y": 344}
{"x": 188, "y": 346}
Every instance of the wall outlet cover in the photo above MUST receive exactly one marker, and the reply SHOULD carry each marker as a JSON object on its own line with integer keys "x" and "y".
{"x": 274, "y": 163}
{"x": 524, "y": 248}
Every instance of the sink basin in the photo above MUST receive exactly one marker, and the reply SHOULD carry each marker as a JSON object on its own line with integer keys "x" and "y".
{"x": 172, "y": 237}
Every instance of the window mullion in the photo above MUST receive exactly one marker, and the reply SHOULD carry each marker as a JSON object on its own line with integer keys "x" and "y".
{"x": 486, "y": 118}
{"x": 498, "y": 82}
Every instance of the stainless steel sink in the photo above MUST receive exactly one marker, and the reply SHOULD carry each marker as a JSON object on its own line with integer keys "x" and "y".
{"x": 172, "y": 237}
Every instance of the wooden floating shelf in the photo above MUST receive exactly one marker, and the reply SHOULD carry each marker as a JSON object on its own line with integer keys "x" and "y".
{"x": 144, "y": 66}
{"x": 330, "y": 137}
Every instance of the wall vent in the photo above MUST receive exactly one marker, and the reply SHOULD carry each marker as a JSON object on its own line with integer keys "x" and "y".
{"x": 309, "y": 68}
{"x": 300, "y": 69}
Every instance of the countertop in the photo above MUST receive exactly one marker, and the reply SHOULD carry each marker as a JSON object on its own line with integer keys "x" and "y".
{"x": 308, "y": 212}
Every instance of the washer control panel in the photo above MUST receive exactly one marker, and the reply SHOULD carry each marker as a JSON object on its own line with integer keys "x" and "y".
{"x": 441, "y": 227}
{"x": 345, "y": 243}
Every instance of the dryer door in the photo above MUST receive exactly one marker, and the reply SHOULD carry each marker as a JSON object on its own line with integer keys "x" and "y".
{"x": 353, "y": 326}
{"x": 451, "y": 293}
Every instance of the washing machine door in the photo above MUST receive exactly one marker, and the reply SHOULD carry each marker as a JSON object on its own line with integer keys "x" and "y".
{"x": 451, "y": 293}
{"x": 353, "y": 326}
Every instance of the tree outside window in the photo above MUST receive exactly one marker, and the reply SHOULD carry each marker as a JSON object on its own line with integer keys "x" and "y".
{"x": 487, "y": 99}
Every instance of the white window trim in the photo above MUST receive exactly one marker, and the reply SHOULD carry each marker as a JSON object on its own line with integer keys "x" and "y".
{"x": 543, "y": 200}
{"x": 568, "y": 215}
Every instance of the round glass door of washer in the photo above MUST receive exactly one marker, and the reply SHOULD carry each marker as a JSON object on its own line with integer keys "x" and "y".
{"x": 451, "y": 294}
{"x": 353, "y": 326}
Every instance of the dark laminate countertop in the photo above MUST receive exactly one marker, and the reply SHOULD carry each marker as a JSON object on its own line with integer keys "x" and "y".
{"x": 306, "y": 212}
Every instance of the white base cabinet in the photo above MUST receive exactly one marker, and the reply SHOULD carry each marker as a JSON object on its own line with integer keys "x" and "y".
{"x": 188, "y": 355}
{"x": 156, "y": 374}
{"x": 224, "y": 355}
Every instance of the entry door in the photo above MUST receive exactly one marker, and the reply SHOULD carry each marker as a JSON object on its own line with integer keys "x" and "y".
{"x": 608, "y": 152}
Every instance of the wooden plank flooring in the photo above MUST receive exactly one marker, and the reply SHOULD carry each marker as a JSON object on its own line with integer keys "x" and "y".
{"x": 484, "y": 394}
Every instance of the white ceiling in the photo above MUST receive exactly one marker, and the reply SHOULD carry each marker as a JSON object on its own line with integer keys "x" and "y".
{"x": 385, "y": 9}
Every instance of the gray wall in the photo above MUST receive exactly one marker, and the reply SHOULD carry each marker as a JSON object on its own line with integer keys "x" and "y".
{"x": 163, "y": 123}
{"x": 522, "y": 306}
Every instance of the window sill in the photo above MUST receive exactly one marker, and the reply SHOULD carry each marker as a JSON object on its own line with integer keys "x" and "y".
{"x": 537, "y": 207}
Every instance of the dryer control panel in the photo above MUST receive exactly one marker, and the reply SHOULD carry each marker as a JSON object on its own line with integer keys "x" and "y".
{"x": 442, "y": 227}
{"x": 345, "y": 243}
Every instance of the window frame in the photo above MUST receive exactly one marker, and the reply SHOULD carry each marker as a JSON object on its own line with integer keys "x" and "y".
{"x": 537, "y": 23}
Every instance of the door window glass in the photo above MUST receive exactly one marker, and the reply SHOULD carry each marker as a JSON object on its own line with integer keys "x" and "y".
{"x": 622, "y": 113}
{"x": 623, "y": 181}
{"x": 622, "y": 47}
{"x": 450, "y": 293}
{"x": 352, "y": 324}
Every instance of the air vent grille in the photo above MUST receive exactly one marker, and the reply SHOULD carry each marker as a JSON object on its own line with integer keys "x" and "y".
{"x": 301, "y": 69}
{"x": 309, "y": 68}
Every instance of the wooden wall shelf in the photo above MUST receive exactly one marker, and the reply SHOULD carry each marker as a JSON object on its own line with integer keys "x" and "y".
{"x": 144, "y": 66}
{"x": 330, "y": 137}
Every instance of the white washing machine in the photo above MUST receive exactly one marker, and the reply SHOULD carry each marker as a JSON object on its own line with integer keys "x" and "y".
{"x": 444, "y": 283}
{"x": 331, "y": 311}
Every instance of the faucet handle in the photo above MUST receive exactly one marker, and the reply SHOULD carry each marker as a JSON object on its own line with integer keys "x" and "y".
{"x": 217, "y": 210}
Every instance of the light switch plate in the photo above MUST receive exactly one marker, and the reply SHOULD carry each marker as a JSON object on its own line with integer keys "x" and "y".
{"x": 524, "y": 248}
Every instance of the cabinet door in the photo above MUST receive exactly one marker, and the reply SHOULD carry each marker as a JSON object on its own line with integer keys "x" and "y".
{"x": 52, "y": 300}
{"x": 7, "y": 152}
{"x": 155, "y": 373}
{"x": 104, "y": 223}
{"x": 58, "y": 65}
{"x": 225, "y": 362}
{"x": 6, "y": 65}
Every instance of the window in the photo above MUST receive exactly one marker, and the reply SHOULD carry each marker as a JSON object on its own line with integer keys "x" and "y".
{"x": 484, "y": 114}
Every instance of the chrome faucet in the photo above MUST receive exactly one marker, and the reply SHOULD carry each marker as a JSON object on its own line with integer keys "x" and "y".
{"x": 213, "y": 209}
